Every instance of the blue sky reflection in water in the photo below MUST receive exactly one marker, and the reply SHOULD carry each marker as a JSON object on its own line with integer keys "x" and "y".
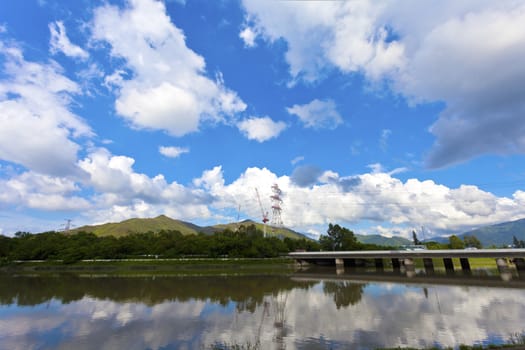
{"x": 339, "y": 314}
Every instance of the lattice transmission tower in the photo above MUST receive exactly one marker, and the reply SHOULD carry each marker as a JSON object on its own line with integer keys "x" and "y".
{"x": 277, "y": 201}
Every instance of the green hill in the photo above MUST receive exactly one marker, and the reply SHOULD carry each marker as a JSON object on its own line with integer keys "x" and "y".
{"x": 499, "y": 234}
{"x": 270, "y": 231}
{"x": 126, "y": 227}
{"x": 163, "y": 222}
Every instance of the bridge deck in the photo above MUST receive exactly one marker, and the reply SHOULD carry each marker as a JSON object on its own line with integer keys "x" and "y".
{"x": 403, "y": 254}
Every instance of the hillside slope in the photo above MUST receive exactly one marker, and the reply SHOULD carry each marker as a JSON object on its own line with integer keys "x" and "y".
{"x": 136, "y": 225}
{"x": 499, "y": 234}
{"x": 163, "y": 222}
{"x": 494, "y": 235}
{"x": 270, "y": 231}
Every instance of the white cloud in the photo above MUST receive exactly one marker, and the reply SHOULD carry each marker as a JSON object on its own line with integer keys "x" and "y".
{"x": 37, "y": 191}
{"x": 114, "y": 174}
{"x": 168, "y": 88}
{"x": 461, "y": 53}
{"x": 59, "y": 42}
{"x": 261, "y": 129}
{"x": 248, "y": 36}
{"x": 311, "y": 198}
{"x": 123, "y": 193}
{"x": 172, "y": 152}
{"x": 317, "y": 114}
{"x": 345, "y": 34}
{"x": 35, "y": 100}
{"x": 375, "y": 197}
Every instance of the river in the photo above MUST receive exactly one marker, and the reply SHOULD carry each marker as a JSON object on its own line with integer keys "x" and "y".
{"x": 313, "y": 309}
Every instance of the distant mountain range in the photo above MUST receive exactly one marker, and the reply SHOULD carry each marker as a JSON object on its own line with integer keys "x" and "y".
{"x": 163, "y": 222}
{"x": 494, "y": 235}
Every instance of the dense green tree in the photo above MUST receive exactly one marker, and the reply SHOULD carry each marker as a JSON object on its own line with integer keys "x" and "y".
{"x": 301, "y": 244}
{"x": 435, "y": 245}
{"x": 472, "y": 241}
{"x": 455, "y": 242}
{"x": 339, "y": 238}
{"x": 246, "y": 241}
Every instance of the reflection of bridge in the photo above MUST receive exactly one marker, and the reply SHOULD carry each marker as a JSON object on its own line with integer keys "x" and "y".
{"x": 404, "y": 259}
{"x": 360, "y": 276}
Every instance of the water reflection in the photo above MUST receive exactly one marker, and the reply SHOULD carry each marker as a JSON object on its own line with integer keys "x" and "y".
{"x": 305, "y": 311}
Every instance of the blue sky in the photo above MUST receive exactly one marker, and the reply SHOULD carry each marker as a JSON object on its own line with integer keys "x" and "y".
{"x": 383, "y": 117}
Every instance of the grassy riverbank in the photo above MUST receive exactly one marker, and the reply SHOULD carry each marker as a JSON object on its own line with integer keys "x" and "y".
{"x": 154, "y": 266}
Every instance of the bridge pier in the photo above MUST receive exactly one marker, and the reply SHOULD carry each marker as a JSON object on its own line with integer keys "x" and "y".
{"x": 339, "y": 266}
{"x": 403, "y": 261}
{"x": 449, "y": 265}
{"x": 379, "y": 264}
{"x": 520, "y": 266}
{"x": 396, "y": 265}
{"x": 429, "y": 265}
{"x": 465, "y": 265}
{"x": 502, "y": 265}
{"x": 503, "y": 269}
{"x": 410, "y": 269}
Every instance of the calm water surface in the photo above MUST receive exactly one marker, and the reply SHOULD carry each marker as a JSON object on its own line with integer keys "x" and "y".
{"x": 311, "y": 310}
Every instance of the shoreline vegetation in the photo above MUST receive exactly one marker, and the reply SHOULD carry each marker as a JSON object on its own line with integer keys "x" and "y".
{"x": 190, "y": 266}
{"x": 182, "y": 266}
{"x": 244, "y": 248}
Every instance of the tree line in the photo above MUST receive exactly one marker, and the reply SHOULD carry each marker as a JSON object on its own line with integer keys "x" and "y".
{"x": 244, "y": 242}
{"x": 454, "y": 242}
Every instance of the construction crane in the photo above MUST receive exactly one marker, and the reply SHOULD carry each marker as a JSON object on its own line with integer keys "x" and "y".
{"x": 264, "y": 214}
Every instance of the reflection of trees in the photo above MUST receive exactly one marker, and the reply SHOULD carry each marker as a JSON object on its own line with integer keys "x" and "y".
{"x": 247, "y": 291}
{"x": 345, "y": 293}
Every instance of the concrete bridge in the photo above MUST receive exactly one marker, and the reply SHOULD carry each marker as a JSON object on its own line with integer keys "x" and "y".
{"x": 404, "y": 259}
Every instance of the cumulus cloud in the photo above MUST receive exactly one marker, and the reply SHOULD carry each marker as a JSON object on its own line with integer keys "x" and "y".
{"x": 35, "y": 100}
{"x": 311, "y": 198}
{"x": 168, "y": 88}
{"x": 462, "y": 54}
{"x": 59, "y": 42}
{"x": 344, "y": 34}
{"x": 172, "y": 152}
{"x": 261, "y": 129}
{"x": 248, "y": 36}
{"x": 376, "y": 197}
{"x": 122, "y": 193}
{"x": 44, "y": 192}
{"x": 317, "y": 114}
